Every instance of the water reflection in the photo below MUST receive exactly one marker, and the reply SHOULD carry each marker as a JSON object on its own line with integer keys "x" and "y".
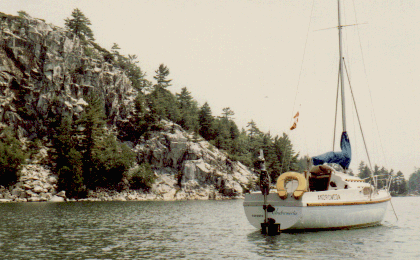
{"x": 359, "y": 243}
{"x": 188, "y": 229}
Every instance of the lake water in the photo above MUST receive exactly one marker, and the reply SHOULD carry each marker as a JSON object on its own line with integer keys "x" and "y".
{"x": 191, "y": 230}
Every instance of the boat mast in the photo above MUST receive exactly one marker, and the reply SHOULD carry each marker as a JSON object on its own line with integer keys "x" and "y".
{"x": 341, "y": 66}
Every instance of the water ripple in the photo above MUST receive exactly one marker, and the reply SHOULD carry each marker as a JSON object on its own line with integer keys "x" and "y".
{"x": 189, "y": 230}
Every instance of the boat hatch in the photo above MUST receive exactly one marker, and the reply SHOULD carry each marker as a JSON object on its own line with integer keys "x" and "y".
{"x": 319, "y": 178}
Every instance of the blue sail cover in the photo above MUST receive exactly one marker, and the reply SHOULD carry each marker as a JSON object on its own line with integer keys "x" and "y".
{"x": 342, "y": 158}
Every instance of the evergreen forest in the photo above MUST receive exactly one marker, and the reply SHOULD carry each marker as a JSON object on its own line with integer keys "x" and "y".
{"x": 87, "y": 155}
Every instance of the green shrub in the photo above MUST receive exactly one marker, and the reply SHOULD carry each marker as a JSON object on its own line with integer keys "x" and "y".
{"x": 88, "y": 51}
{"x": 142, "y": 177}
{"x": 251, "y": 185}
{"x": 70, "y": 176}
{"x": 11, "y": 158}
{"x": 98, "y": 47}
{"x": 110, "y": 160}
{"x": 108, "y": 57}
{"x": 72, "y": 183}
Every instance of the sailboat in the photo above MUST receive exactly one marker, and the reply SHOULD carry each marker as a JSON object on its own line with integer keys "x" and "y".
{"x": 324, "y": 198}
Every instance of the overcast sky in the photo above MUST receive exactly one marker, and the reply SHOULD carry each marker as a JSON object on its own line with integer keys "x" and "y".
{"x": 266, "y": 60}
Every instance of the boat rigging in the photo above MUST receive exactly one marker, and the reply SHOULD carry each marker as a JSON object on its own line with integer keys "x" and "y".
{"x": 324, "y": 198}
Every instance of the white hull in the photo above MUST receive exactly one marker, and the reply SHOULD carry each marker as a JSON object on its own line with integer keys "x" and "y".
{"x": 332, "y": 209}
{"x": 323, "y": 198}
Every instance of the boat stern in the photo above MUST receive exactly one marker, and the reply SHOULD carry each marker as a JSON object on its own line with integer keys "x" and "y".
{"x": 287, "y": 213}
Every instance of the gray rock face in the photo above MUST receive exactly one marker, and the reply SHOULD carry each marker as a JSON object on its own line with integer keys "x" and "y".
{"x": 45, "y": 69}
{"x": 36, "y": 183}
{"x": 191, "y": 170}
{"x": 56, "y": 198}
{"x": 185, "y": 170}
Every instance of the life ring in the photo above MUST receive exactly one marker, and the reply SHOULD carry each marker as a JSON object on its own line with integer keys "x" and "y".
{"x": 302, "y": 187}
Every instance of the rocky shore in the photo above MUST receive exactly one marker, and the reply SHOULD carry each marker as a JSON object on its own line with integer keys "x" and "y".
{"x": 186, "y": 168}
{"x": 35, "y": 184}
{"x": 38, "y": 184}
{"x": 47, "y": 71}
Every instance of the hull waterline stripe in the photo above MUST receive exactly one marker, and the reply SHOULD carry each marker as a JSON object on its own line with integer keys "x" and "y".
{"x": 291, "y": 230}
{"x": 347, "y": 203}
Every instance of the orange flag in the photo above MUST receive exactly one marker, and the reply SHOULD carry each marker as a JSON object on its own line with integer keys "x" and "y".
{"x": 296, "y": 117}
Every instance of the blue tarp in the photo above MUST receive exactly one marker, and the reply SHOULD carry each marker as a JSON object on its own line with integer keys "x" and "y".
{"x": 342, "y": 158}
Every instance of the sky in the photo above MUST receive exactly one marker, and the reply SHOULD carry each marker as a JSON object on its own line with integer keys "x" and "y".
{"x": 267, "y": 60}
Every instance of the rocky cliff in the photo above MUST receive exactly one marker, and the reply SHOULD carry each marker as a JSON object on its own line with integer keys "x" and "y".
{"x": 45, "y": 71}
{"x": 190, "y": 168}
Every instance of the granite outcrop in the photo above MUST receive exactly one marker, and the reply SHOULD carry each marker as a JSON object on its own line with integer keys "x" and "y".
{"x": 46, "y": 71}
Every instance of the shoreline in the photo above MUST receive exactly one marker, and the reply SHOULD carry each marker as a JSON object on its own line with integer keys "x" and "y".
{"x": 112, "y": 195}
{"x": 7, "y": 201}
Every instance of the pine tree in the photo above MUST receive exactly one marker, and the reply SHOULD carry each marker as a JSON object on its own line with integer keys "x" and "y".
{"x": 131, "y": 68}
{"x": 303, "y": 163}
{"x": 115, "y": 49}
{"x": 139, "y": 123}
{"x": 93, "y": 123}
{"x": 184, "y": 98}
{"x": 361, "y": 168}
{"x": 364, "y": 171}
{"x": 188, "y": 110}
{"x": 401, "y": 184}
{"x": 376, "y": 170}
{"x": 162, "y": 101}
{"x": 227, "y": 132}
{"x": 272, "y": 163}
{"x": 285, "y": 153}
{"x": 164, "y": 104}
{"x": 104, "y": 159}
{"x": 206, "y": 121}
{"x": 222, "y": 138}
{"x": 255, "y": 141}
{"x": 68, "y": 159}
{"x": 233, "y": 130}
{"x": 135, "y": 74}
{"x": 383, "y": 175}
{"x": 242, "y": 145}
{"x": 22, "y": 14}
{"x": 252, "y": 129}
{"x": 227, "y": 113}
{"x": 79, "y": 25}
{"x": 70, "y": 175}
{"x": 161, "y": 76}
{"x": 63, "y": 141}
{"x": 414, "y": 182}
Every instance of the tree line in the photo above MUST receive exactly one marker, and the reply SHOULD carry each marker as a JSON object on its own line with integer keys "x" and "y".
{"x": 86, "y": 154}
{"x": 399, "y": 186}
{"x": 221, "y": 131}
